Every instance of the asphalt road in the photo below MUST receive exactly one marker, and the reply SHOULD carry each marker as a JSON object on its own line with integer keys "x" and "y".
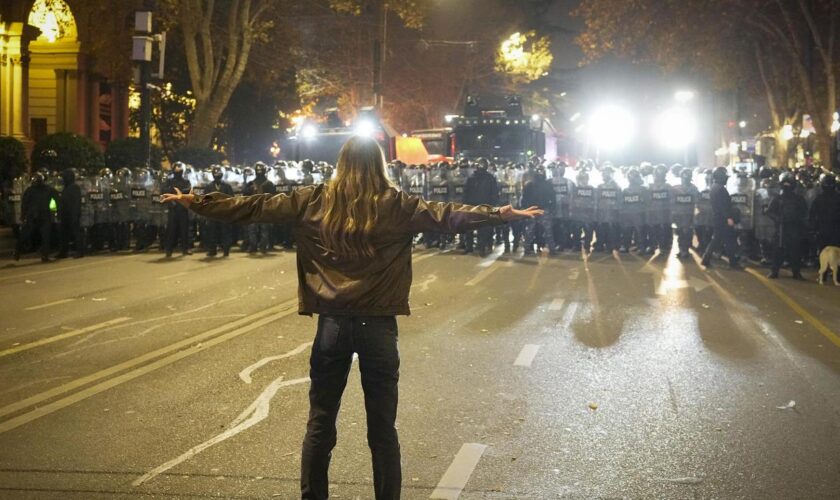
{"x": 131, "y": 376}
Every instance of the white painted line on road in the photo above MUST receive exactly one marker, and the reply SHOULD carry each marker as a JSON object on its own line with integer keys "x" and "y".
{"x": 456, "y": 476}
{"x": 190, "y": 345}
{"x": 574, "y": 274}
{"x": 423, "y": 286}
{"x": 254, "y": 414}
{"x": 56, "y": 338}
{"x": 485, "y": 273}
{"x": 557, "y": 305}
{"x": 49, "y": 304}
{"x": 421, "y": 258}
{"x": 489, "y": 260}
{"x": 170, "y": 276}
{"x": 245, "y": 374}
{"x": 65, "y": 268}
{"x": 527, "y": 355}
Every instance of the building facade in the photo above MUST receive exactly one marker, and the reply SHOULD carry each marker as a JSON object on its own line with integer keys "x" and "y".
{"x": 47, "y": 80}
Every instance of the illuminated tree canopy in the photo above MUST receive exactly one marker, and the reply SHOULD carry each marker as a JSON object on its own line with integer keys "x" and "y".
{"x": 524, "y": 56}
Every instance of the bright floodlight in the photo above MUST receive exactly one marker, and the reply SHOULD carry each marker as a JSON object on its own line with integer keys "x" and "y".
{"x": 787, "y": 132}
{"x": 742, "y": 124}
{"x": 675, "y": 128}
{"x": 684, "y": 95}
{"x": 611, "y": 128}
{"x": 308, "y": 131}
{"x": 365, "y": 128}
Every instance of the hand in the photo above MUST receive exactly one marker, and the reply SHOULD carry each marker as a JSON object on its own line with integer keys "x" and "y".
{"x": 731, "y": 222}
{"x": 509, "y": 213}
{"x": 182, "y": 199}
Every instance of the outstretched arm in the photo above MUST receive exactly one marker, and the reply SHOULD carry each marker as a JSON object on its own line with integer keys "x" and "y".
{"x": 442, "y": 217}
{"x": 267, "y": 208}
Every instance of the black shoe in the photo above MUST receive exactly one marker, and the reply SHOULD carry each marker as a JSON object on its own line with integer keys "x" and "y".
{"x": 211, "y": 254}
{"x": 168, "y": 254}
{"x": 773, "y": 276}
{"x": 16, "y": 255}
{"x": 61, "y": 255}
{"x": 735, "y": 267}
{"x": 706, "y": 263}
{"x": 798, "y": 277}
{"x": 45, "y": 259}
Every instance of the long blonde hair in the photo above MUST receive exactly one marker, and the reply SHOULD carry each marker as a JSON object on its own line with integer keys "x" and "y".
{"x": 350, "y": 200}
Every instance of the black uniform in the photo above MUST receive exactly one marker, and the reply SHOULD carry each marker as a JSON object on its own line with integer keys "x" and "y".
{"x": 69, "y": 214}
{"x": 218, "y": 233}
{"x": 539, "y": 192}
{"x": 259, "y": 235}
{"x": 723, "y": 235}
{"x": 788, "y": 211}
{"x": 481, "y": 189}
{"x": 825, "y": 218}
{"x": 37, "y": 217}
{"x": 178, "y": 220}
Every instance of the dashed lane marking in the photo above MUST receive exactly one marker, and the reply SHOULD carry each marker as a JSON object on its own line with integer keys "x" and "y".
{"x": 810, "y": 318}
{"x": 557, "y": 305}
{"x": 49, "y": 304}
{"x": 190, "y": 346}
{"x": 458, "y": 474}
{"x": 485, "y": 273}
{"x": 527, "y": 355}
{"x": 67, "y": 335}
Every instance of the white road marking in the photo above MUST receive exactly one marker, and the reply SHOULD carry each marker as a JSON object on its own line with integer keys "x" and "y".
{"x": 66, "y": 268}
{"x": 245, "y": 374}
{"x": 423, "y": 286}
{"x": 557, "y": 305}
{"x": 489, "y": 260}
{"x": 485, "y": 273}
{"x": 49, "y": 304}
{"x": 190, "y": 346}
{"x": 164, "y": 278}
{"x": 456, "y": 476}
{"x": 56, "y": 338}
{"x": 254, "y": 414}
{"x": 421, "y": 258}
{"x": 574, "y": 274}
{"x": 527, "y": 355}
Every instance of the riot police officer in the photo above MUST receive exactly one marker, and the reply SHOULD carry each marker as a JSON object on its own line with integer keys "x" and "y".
{"x": 439, "y": 192}
{"x": 284, "y": 184}
{"x": 742, "y": 192}
{"x": 683, "y": 204}
{"x": 259, "y": 235}
{"x": 703, "y": 218}
{"x": 583, "y": 211}
{"x": 218, "y": 233}
{"x": 481, "y": 189}
{"x": 70, "y": 213}
{"x": 99, "y": 196}
{"x": 457, "y": 187}
{"x": 121, "y": 208}
{"x": 178, "y": 219}
{"x": 607, "y": 226}
{"x": 789, "y": 210}
{"x": 765, "y": 227}
{"x": 658, "y": 215}
{"x": 825, "y": 213}
{"x": 563, "y": 188}
{"x": 37, "y": 217}
{"x": 634, "y": 201}
{"x": 140, "y": 207}
{"x": 538, "y": 192}
{"x": 723, "y": 221}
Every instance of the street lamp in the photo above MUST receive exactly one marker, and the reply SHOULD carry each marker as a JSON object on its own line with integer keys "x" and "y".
{"x": 684, "y": 96}
{"x": 611, "y": 128}
{"x": 742, "y": 124}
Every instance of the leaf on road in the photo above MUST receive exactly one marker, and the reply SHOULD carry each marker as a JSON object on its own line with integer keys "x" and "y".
{"x": 593, "y": 406}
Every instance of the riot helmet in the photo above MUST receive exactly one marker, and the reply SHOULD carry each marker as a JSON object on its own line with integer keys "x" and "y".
{"x": 686, "y": 176}
{"x": 676, "y": 169}
{"x": 37, "y": 179}
{"x": 583, "y": 178}
{"x": 307, "y": 166}
{"x": 482, "y": 164}
{"x": 68, "y": 176}
{"x": 660, "y": 173}
{"x": 217, "y": 172}
{"x": 720, "y": 175}
{"x": 765, "y": 172}
{"x": 828, "y": 182}
{"x": 608, "y": 173}
{"x": 787, "y": 182}
{"x": 634, "y": 177}
{"x": 178, "y": 169}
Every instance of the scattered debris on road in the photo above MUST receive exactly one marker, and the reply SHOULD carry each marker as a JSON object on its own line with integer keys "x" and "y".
{"x": 99, "y": 299}
{"x": 593, "y": 406}
{"x": 681, "y": 480}
{"x": 791, "y": 404}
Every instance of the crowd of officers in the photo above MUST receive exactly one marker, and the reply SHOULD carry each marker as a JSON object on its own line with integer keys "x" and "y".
{"x": 768, "y": 215}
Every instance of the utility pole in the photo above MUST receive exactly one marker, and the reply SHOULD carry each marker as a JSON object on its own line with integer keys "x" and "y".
{"x": 142, "y": 55}
{"x": 379, "y": 39}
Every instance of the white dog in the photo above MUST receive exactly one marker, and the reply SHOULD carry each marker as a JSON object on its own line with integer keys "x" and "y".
{"x": 829, "y": 259}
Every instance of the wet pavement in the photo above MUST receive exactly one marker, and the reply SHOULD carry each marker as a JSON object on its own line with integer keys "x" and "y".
{"x": 614, "y": 376}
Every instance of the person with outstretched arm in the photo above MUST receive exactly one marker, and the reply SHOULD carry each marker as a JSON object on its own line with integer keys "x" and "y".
{"x": 354, "y": 271}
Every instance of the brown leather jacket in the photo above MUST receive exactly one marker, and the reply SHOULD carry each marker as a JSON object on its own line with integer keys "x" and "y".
{"x": 366, "y": 287}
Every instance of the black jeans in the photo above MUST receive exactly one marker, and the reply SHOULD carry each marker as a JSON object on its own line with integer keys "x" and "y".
{"x": 375, "y": 341}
